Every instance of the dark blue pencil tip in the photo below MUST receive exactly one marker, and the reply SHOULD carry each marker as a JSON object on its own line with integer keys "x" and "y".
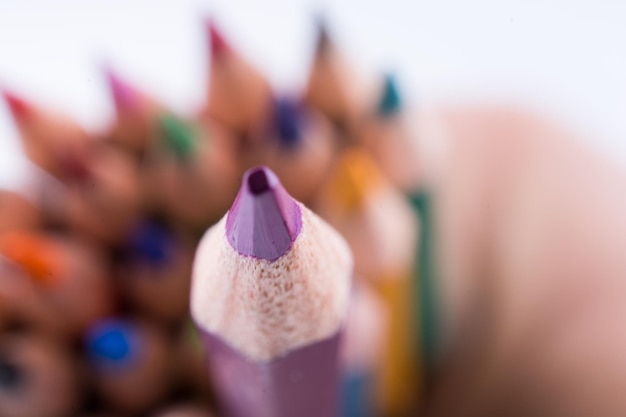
{"x": 151, "y": 243}
{"x": 390, "y": 101}
{"x": 11, "y": 375}
{"x": 288, "y": 121}
{"x": 323, "y": 42}
{"x": 112, "y": 342}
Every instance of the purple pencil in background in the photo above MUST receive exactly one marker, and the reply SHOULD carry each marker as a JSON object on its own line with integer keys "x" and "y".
{"x": 270, "y": 294}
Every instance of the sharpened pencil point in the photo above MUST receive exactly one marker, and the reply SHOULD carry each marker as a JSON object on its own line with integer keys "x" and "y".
{"x": 264, "y": 220}
{"x": 35, "y": 254}
{"x": 11, "y": 375}
{"x": 354, "y": 178}
{"x": 19, "y": 107}
{"x": 124, "y": 96}
{"x": 151, "y": 243}
{"x": 323, "y": 42}
{"x": 111, "y": 342}
{"x": 390, "y": 100}
{"x": 288, "y": 120}
{"x": 258, "y": 182}
{"x": 178, "y": 136}
{"x": 216, "y": 40}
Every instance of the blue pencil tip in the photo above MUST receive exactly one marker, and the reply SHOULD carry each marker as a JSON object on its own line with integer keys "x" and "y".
{"x": 288, "y": 121}
{"x": 112, "y": 342}
{"x": 151, "y": 243}
{"x": 390, "y": 100}
{"x": 323, "y": 42}
{"x": 12, "y": 375}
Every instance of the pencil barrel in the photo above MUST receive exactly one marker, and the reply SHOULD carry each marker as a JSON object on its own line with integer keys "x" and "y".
{"x": 303, "y": 383}
{"x": 399, "y": 386}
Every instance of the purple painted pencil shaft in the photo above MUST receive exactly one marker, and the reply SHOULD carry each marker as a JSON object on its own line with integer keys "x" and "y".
{"x": 303, "y": 383}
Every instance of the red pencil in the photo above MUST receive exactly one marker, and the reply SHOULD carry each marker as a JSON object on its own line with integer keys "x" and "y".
{"x": 238, "y": 95}
{"x": 51, "y": 140}
{"x": 101, "y": 181}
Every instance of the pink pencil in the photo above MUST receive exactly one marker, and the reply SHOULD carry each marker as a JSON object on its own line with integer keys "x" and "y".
{"x": 270, "y": 294}
{"x": 133, "y": 128}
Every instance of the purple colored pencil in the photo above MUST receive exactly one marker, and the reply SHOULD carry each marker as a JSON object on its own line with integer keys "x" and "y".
{"x": 270, "y": 294}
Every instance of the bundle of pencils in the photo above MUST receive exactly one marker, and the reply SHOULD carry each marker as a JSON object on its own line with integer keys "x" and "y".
{"x": 301, "y": 298}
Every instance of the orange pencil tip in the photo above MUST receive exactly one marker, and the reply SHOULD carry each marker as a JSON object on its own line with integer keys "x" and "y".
{"x": 35, "y": 254}
{"x": 354, "y": 179}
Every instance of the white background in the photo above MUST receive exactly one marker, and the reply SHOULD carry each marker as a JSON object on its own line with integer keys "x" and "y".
{"x": 566, "y": 59}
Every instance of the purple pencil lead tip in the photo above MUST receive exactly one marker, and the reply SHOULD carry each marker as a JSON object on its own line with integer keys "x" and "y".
{"x": 264, "y": 220}
{"x": 259, "y": 182}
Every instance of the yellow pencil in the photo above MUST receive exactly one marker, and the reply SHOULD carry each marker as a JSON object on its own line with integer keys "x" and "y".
{"x": 381, "y": 230}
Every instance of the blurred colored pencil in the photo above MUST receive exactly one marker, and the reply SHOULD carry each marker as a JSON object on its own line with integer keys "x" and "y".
{"x": 238, "y": 95}
{"x": 333, "y": 88}
{"x": 299, "y": 145}
{"x": 363, "y": 345}
{"x": 129, "y": 361}
{"x": 37, "y": 377}
{"x": 70, "y": 276}
{"x": 381, "y": 230}
{"x": 52, "y": 141}
{"x": 135, "y": 112}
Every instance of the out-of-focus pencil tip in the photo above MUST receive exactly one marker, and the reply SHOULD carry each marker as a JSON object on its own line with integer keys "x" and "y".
{"x": 217, "y": 42}
{"x": 287, "y": 120}
{"x": 124, "y": 95}
{"x": 390, "y": 100}
{"x": 19, "y": 108}
{"x": 11, "y": 375}
{"x": 323, "y": 41}
{"x": 110, "y": 342}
